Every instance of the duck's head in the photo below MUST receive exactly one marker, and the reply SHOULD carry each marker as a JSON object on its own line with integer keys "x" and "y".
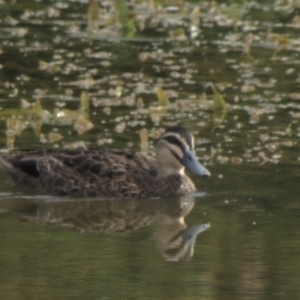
{"x": 175, "y": 150}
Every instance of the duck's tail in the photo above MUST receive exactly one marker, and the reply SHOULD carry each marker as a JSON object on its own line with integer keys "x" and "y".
{"x": 5, "y": 164}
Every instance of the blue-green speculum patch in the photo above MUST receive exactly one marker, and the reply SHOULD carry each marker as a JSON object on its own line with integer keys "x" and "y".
{"x": 191, "y": 162}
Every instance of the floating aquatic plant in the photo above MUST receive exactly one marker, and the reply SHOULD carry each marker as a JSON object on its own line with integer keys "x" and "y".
{"x": 144, "y": 140}
{"x": 220, "y": 107}
{"x": 93, "y": 15}
{"x": 162, "y": 98}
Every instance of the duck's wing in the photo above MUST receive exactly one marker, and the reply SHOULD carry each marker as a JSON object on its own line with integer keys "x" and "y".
{"x": 96, "y": 172}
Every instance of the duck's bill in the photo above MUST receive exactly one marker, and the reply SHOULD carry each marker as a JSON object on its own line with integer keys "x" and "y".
{"x": 191, "y": 233}
{"x": 191, "y": 162}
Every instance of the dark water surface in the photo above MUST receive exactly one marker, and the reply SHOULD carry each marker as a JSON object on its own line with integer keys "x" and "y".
{"x": 65, "y": 80}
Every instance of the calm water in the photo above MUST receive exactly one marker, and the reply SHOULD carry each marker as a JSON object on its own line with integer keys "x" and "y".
{"x": 239, "y": 236}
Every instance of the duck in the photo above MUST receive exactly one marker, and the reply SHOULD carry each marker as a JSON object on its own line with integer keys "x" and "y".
{"x": 107, "y": 172}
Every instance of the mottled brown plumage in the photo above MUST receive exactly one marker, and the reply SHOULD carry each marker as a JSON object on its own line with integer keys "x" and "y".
{"x": 103, "y": 172}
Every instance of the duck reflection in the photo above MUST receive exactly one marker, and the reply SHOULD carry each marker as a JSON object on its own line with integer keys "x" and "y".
{"x": 174, "y": 239}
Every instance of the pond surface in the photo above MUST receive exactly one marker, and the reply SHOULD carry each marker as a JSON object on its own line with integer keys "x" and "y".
{"x": 73, "y": 73}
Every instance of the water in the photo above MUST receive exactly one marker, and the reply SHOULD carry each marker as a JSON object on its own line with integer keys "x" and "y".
{"x": 104, "y": 249}
{"x": 151, "y": 249}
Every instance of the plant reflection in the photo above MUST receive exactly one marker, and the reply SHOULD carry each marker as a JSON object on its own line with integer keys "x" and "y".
{"x": 174, "y": 239}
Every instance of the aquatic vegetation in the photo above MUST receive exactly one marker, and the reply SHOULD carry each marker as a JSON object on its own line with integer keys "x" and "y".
{"x": 104, "y": 69}
{"x": 34, "y": 116}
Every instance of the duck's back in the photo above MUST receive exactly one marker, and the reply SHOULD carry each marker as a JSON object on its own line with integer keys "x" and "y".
{"x": 98, "y": 172}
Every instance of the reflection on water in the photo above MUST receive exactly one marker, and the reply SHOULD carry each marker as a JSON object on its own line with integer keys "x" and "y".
{"x": 95, "y": 246}
{"x": 175, "y": 240}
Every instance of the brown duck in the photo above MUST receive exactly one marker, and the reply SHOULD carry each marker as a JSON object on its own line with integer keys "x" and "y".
{"x": 104, "y": 172}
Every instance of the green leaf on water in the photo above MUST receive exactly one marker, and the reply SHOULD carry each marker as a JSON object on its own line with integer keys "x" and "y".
{"x": 289, "y": 130}
{"x": 144, "y": 140}
{"x": 84, "y": 101}
{"x": 162, "y": 97}
{"x": 126, "y": 17}
{"x": 93, "y": 14}
{"x": 37, "y": 107}
{"x": 235, "y": 12}
{"x": 220, "y": 107}
{"x": 219, "y": 102}
{"x": 195, "y": 16}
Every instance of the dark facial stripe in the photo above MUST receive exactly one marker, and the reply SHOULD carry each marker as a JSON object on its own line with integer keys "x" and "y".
{"x": 183, "y": 132}
{"x": 173, "y": 140}
{"x": 176, "y": 236}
